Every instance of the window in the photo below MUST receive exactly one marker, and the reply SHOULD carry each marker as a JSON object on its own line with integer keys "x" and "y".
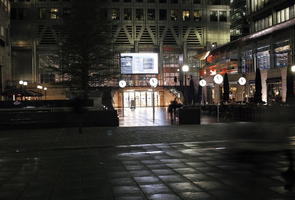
{"x": 196, "y": 1}
{"x": 162, "y": 14}
{"x": 222, "y": 16}
{"x": 139, "y": 14}
{"x": 54, "y": 13}
{"x": 197, "y": 15}
{"x": 115, "y": 14}
{"x": 174, "y": 15}
{"x": 151, "y": 14}
{"x": 185, "y": 15}
{"x": 213, "y": 16}
{"x": 215, "y": 2}
{"x": 43, "y": 13}
{"x": 127, "y": 14}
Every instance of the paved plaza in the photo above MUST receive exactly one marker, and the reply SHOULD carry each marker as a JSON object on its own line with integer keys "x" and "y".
{"x": 144, "y": 117}
{"x": 217, "y": 161}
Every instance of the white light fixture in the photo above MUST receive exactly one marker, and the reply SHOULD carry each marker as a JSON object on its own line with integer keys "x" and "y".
{"x": 45, "y": 88}
{"x": 203, "y": 83}
{"x": 122, "y": 84}
{"x": 40, "y": 87}
{"x": 21, "y": 82}
{"x": 242, "y": 81}
{"x": 25, "y": 83}
{"x": 153, "y": 82}
{"x": 185, "y": 68}
{"x": 218, "y": 79}
{"x": 293, "y": 68}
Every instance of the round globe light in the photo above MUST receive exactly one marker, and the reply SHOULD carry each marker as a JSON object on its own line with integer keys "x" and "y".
{"x": 25, "y": 83}
{"x": 203, "y": 83}
{"x": 153, "y": 82}
{"x": 293, "y": 68}
{"x": 242, "y": 81}
{"x": 21, "y": 82}
{"x": 185, "y": 68}
{"x": 122, "y": 84}
{"x": 218, "y": 79}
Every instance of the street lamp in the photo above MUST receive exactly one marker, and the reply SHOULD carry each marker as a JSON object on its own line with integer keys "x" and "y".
{"x": 122, "y": 84}
{"x": 153, "y": 83}
{"x": 40, "y": 87}
{"x": 218, "y": 79}
{"x": 293, "y": 68}
{"x": 242, "y": 81}
{"x": 45, "y": 90}
{"x": 185, "y": 69}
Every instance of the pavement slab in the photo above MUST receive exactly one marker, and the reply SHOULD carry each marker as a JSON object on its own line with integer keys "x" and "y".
{"x": 148, "y": 163}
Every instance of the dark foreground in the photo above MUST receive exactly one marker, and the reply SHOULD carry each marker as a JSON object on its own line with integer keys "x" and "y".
{"x": 220, "y": 161}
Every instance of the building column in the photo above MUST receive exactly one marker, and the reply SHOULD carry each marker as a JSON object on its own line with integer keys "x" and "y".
{"x": 35, "y": 77}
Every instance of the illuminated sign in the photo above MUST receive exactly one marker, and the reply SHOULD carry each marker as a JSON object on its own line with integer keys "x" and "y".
{"x": 139, "y": 63}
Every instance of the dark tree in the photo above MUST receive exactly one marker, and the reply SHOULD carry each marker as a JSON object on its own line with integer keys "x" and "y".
{"x": 86, "y": 47}
{"x": 258, "y": 87}
{"x": 191, "y": 92}
{"x": 225, "y": 95}
{"x": 290, "y": 86}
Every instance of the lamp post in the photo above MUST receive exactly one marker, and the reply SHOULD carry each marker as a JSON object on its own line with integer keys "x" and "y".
{"x": 45, "y": 91}
{"x": 122, "y": 85}
{"x": 185, "y": 69}
{"x": 242, "y": 81}
{"x": 153, "y": 83}
{"x": 218, "y": 79}
{"x": 40, "y": 87}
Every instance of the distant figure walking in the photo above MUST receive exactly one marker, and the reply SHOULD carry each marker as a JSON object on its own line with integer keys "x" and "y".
{"x": 172, "y": 109}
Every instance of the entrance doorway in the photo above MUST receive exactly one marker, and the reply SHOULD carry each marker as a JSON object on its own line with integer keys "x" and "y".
{"x": 140, "y": 98}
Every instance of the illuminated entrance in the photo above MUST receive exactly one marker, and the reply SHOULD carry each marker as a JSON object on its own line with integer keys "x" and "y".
{"x": 140, "y": 98}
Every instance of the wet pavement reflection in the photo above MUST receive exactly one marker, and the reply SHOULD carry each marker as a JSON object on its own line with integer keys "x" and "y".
{"x": 144, "y": 117}
{"x": 217, "y": 161}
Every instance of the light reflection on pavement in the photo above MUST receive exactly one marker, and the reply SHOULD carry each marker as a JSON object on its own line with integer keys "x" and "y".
{"x": 144, "y": 117}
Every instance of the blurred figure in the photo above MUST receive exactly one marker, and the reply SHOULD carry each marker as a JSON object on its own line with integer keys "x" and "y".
{"x": 172, "y": 109}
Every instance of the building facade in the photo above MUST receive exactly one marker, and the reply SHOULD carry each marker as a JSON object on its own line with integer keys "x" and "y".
{"x": 5, "y": 64}
{"x": 175, "y": 29}
{"x": 269, "y": 47}
{"x": 239, "y": 19}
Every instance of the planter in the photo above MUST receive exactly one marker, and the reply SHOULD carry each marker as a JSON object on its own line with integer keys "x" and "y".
{"x": 189, "y": 115}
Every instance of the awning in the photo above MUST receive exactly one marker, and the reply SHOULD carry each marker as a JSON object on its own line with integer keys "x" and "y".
{"x": 274, "y": 80}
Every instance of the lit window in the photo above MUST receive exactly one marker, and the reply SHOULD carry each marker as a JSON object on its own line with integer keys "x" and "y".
{"x": 213, "y": 16}
{"x": 115, "y": 14}
{"x": 222, "y": 16}
{"x": 185, "y": 15}
{"x": 173, "y": 15}
{"x": 197, "y": 15}
{"x": 54, "y": 13}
